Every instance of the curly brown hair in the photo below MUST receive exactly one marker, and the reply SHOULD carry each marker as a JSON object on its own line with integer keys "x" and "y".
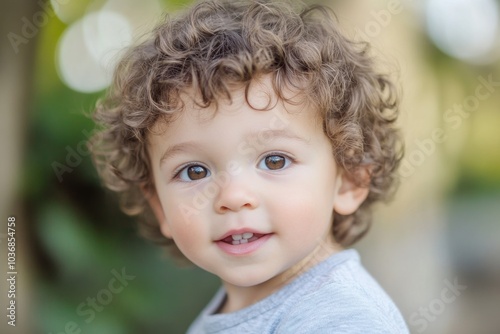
{"x": 216, "y": 44}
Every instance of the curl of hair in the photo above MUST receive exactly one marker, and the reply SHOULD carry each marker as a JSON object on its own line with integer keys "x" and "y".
{"x": 217, "y": 44}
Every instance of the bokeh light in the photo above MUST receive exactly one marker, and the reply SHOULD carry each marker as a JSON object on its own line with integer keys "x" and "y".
{"x": 464, "y": 29}
{"x": 88, "y": 50}
{"x": 90, "y": 47}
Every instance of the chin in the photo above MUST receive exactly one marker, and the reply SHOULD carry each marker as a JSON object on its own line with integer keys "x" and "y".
{"x": 244, "y": 279}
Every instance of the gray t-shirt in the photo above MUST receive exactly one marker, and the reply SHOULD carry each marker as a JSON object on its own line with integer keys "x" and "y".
{"x": 337, "y": 295}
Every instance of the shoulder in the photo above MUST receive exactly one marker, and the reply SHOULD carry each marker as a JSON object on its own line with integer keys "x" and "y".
{"x": 346, "y": 301}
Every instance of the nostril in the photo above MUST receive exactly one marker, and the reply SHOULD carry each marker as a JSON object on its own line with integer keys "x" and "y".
{"x": 224, "y": 208}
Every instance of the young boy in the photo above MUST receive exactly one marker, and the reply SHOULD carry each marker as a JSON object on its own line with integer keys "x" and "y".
{"x": 259, "y": 137}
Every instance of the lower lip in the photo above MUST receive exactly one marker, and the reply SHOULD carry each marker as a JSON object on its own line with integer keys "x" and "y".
{"x": 243, "y": 249}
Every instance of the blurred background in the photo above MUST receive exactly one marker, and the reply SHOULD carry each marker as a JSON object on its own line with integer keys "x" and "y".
{"x": 435, "y": 248}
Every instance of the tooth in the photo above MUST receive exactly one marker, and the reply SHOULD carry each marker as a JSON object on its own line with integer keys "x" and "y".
{"x": 236, "y": 242}
{"x": 247, "y": 235}
{"x": 243, "y": 241}
{"x": 236, "y": 236}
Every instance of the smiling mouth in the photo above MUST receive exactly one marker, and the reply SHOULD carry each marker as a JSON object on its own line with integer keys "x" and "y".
{"x": 243, "y": 238}
{"x": 243, "y": 244}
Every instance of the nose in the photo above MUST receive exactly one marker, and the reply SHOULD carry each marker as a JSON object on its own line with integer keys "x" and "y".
{"x": 236, "y": 195}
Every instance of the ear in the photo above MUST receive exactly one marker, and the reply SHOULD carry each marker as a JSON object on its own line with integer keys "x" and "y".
{"x": 155, "y": 204}
{"x": 350, "y": 196}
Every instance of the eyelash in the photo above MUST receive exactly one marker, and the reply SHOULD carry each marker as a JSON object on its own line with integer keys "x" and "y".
{"x": 281, "y": 154}
{"x": 177, "y": 172}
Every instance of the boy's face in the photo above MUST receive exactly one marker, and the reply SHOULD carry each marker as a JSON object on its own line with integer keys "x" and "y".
{"x": 247, "y": 195}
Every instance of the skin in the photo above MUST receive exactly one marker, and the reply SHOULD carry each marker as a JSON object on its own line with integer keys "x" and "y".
{"x": 235, "y": 187}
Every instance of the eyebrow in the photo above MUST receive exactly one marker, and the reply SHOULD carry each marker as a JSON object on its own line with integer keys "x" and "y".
{"x": 283, "y": 133}
{"x": 191, "y": 145}
{"x": 177, "y": 149}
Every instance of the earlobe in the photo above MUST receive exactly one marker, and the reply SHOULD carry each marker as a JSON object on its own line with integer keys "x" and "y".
{"x": 349, "y": 196}
{"x": 155, "y": 204}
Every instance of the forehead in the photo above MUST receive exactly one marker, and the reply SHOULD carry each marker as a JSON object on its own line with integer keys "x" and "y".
{"x": 259, "y": 97}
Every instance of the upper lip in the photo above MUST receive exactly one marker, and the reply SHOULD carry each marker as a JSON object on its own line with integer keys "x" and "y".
{"x": 239, "y": 231}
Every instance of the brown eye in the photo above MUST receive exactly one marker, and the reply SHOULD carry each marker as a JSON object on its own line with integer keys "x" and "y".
{"x": 274, "y": 162}
{"x": 196, "y": 172}
{"x": 193, "y": 173}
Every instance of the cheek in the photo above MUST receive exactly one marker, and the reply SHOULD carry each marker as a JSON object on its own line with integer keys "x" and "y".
{"x": 181, "y": 207}
{"x": 306, "y": 209}
{"x": 185, "y": 223}
{"x": 189, "y": 236}
{"x": 303, "y": 214}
